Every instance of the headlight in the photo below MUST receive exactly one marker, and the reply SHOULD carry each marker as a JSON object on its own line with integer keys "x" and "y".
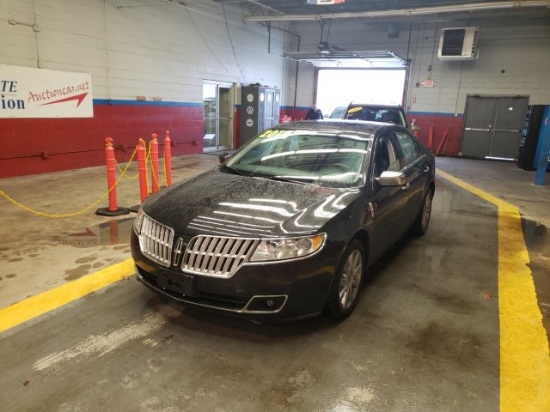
{"x": 288, "y": 248}
{"x": 138, "y": 220}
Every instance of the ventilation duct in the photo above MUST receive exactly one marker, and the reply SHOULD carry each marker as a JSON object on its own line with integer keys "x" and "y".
{"x": 458, "y": 44}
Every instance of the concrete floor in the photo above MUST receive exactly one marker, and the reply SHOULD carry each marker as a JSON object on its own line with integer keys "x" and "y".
{"x": 424, "y": 337}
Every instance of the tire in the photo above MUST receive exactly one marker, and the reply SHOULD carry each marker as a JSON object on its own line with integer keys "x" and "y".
{"x": 343, "y": 295}
{"x": 422, "y": 220}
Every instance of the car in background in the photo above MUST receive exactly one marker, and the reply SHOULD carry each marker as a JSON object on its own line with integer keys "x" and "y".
{"x": 377, "y": 113}
{"x": 287, "y": 226}
{"x": 338, "y": 112}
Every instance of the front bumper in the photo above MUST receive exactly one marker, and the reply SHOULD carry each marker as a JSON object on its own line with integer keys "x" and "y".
{"x": 293, "y": 289}
{"x": 256, "y": 305}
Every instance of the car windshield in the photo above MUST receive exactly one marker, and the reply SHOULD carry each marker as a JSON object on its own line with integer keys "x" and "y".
{"x": 338, "y": 113}
{"x": 377, "y": 114}
{"x": 304, "y": 156}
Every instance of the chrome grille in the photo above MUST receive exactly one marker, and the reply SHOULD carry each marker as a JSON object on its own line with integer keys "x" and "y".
{"x": 156, "y": 240}
{"x": 217, "y": 256}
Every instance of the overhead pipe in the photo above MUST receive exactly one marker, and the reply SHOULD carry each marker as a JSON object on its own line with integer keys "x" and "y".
{"x": 297, "y": 66}
{"x": 265, "y": 6}
{"x": 423, "y": 11}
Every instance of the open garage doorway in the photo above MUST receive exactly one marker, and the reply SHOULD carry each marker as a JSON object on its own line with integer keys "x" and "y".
{"x": 338, "y": 87}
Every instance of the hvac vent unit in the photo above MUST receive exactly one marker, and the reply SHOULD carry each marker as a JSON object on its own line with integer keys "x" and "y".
{"x": 458, "y": 44}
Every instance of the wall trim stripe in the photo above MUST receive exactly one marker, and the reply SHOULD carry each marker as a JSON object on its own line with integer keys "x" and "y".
{"x": 413, "y": 113}
{"x": 111, "y": 102}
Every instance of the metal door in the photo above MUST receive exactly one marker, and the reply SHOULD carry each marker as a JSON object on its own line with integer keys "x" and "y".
{"x": 225, "y": 126}
{"x": 218, "y": 119}
{"x": 260, "y": 110}
{"x": 493, "y": 126}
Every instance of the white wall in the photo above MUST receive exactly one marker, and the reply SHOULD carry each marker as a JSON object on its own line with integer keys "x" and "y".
{"x": 514, "y": 56}
{"x": 142, "y": 47}
{"x": 519, "y": 47}
{"x": 156, "y": 49}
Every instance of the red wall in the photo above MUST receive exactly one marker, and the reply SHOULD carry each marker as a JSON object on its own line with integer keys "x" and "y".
{"x": 442, "y": 124}
{"x": 33, "y": 146}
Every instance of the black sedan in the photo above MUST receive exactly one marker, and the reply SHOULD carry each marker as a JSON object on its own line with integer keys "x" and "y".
{"x": 287, "y": 226}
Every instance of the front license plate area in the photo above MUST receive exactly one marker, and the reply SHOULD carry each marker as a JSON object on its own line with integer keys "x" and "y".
{"x": 177, "y": 282}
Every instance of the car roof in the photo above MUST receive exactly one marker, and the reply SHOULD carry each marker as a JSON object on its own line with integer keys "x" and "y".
{"x": 354, "y": 126}
{"x": 385, "y": 106}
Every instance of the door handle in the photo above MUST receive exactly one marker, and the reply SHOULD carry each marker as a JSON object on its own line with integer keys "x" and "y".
{"x": 427, "y": 169}
{"x": 406, "y": 187}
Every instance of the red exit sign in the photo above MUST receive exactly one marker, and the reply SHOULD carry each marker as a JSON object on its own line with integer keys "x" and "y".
{"x": 429, "y": 83}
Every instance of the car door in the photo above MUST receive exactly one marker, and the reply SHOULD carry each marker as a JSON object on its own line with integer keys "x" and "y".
{"x": 416, "y": 167}
{"x": 386, "y": 204}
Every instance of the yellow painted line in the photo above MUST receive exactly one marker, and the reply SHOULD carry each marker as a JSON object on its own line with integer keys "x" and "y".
{"x": 524, "y": 354}
{"x": 34, "y": 306}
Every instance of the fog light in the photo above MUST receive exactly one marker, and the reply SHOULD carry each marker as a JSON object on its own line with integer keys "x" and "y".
{"x": 266, "y": 304}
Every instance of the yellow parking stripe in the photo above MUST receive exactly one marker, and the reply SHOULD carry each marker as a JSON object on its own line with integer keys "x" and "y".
{"x": 38, "y": 305}
{"x": 524, "y": 355}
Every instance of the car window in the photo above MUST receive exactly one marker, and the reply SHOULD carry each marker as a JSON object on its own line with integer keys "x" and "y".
{"x": 361, "y": 113}
{"x": 409, "y": 147}
{"x": 338, "y": 113}
{"x": 385, "y": 157}
{"x": 389, "y": 116}
{"x": 377, "y": 114}
{"x": 309, "y": 156}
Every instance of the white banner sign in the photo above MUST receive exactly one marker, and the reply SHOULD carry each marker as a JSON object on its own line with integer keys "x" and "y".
{"x": 26, "y": 92}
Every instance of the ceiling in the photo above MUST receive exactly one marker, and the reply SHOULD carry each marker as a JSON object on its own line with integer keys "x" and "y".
{"x": 302, "y": 10}
{"x": 330, "y": 56}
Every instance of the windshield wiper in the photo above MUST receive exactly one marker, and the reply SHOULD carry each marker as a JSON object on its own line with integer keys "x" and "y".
{"x": 234, "y": 171}
{"x": 288, "y": 180}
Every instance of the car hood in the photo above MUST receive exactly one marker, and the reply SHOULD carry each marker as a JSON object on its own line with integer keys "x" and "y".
{"x": 216, "y": 203}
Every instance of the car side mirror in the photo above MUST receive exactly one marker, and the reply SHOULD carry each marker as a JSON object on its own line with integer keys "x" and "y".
{"x": 222, "y": 157}
{"x": 391, "y": 178}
